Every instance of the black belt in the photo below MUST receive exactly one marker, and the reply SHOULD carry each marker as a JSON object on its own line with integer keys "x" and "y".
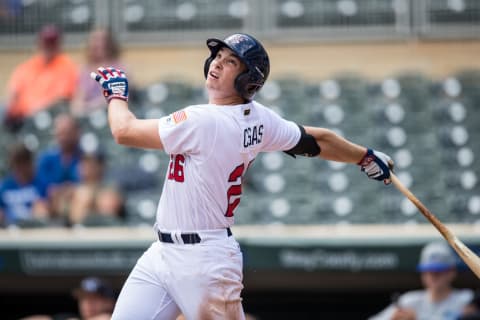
{"x": 188, "y": 238}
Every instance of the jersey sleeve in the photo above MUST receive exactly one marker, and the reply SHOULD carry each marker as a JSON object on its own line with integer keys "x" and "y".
{"x": 185, "y": 131}
{"x": 281, "y": 134}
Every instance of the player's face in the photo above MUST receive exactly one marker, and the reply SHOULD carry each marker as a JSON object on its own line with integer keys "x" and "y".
{"x": 92, "y": 305}
{"x": 224, "y": 69}
{"x": 438, "y": 281}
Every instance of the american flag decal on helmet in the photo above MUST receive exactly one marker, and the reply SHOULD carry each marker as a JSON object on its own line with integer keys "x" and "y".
{"x": 179, "y": 116}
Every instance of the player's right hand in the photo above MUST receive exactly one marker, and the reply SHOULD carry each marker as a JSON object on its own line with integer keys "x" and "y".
{"x": 113, "y": 81}
{"x": 377, "y": 165}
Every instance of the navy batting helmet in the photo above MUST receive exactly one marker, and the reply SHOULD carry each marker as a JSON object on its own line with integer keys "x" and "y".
{"x": 252, "y": 54}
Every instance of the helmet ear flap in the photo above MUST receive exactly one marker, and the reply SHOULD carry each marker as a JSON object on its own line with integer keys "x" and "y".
{"x": 206, "y": 66}
{"x": 245, "y": 87}
{"x": 241, "y": 85}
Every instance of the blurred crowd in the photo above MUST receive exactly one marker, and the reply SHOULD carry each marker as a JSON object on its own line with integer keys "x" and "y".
{"x": 64, "y": 184}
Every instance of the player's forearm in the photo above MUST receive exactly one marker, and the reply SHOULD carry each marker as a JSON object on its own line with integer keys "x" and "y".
{"x": 119, "y": 119}
{"x": 336, "y": 148}
{"x": 129, "y": 131}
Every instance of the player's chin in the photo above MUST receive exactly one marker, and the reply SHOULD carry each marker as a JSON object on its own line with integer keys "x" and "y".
{"x": 212, "y": 85}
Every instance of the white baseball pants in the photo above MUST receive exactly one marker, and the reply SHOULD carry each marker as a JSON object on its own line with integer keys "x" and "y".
{"x": 201, "y": 281}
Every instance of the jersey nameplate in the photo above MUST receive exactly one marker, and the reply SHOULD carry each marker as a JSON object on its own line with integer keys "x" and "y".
{"x": 252, "y": 135}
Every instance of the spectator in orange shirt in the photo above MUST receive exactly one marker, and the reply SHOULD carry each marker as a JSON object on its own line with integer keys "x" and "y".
{"x": 46, "y": 78}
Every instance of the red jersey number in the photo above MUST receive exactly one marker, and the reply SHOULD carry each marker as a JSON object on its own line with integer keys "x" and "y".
{"x": 175, "y": 169}
{"x": 234, "y": 190}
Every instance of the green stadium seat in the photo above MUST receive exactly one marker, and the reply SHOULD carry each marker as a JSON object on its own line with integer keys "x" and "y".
{"x": 444, "y": 12}
{"x": 141, "y": 206}
{"x": 331, "y": 13}
{"x": 169, "y": 15}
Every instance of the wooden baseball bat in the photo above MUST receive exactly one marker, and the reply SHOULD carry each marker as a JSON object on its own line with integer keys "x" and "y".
{"x": 470, "y": 258}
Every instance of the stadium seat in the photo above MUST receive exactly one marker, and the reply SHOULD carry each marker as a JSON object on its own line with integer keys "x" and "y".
{"x": 98, "y": 220}
{"x": 71, "y": 16}
{"x": 33, "y": 223}
{"x": 164, "y": 97}
{"x": 144, "y": 15}
{"x": 141, "y": 206}
{"x": 330, "y": 13}
{"x": 141, "y": 168}
{"x": 443, "y": 12}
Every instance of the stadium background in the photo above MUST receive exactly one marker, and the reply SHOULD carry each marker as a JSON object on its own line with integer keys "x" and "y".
{"x": 320, "y": 240}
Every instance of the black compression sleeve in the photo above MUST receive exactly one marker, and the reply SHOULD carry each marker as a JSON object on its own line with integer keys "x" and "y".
{"x": 307, "y": 145}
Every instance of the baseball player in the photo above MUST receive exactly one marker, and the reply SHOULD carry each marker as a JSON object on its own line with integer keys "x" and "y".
{"x": 195, "y": 267}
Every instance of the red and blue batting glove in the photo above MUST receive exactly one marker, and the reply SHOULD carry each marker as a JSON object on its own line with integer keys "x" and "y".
{"x": 377, "y": 165}
{"x": 113, "y": 81}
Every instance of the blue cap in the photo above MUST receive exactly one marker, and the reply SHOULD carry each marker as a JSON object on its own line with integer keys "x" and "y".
{"x": 436, "y": 257}
{"x": 93, "y": 285}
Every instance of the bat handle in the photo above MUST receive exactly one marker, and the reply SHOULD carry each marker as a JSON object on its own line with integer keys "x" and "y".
{"x": 446, "y": 233}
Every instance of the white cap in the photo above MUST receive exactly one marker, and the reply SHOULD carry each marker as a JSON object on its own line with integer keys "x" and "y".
{"x": 436, "y": 256}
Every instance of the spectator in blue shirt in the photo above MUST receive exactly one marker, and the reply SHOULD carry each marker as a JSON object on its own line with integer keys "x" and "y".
{"x": 58, "y": 167}
{"x": 22, "y": 196}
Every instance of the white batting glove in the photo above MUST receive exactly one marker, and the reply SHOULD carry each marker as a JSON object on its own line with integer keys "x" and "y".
{"x": 377, "y": 165}
{"x": 113, "y": 81}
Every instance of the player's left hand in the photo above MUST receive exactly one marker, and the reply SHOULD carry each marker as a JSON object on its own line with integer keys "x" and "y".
{"x": 377, "y": 165}
{"x": 113, "y": 81}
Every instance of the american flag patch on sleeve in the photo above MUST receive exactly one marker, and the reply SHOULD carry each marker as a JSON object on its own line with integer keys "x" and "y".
{"x": 179, "y": 116}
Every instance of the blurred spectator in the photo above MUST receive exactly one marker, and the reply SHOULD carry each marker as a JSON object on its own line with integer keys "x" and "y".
{"x": 95, "y": 299}
{"x": 43, "y": 80}
{"x": 93, "y": 197}
{"x": 102, "y": 50}
{"x": 110, "y": 201}
{"x": 439, "y": 300}
{"x": 22, "y": 196}
{"x": 472, "y": 310}
{"x": 9, "y": 10}
{"x": 58, "y": 167}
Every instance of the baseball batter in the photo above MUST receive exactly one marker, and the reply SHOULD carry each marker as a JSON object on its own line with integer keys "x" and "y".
{"x": 195, "y": 267}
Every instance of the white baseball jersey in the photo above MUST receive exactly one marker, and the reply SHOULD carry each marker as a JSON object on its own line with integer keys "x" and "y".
{"x": 211, "y": 148}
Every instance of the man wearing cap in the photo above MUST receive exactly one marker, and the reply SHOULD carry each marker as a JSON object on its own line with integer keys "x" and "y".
{"x": 439, "y": 300}
{"x": 96, "y": 299}
{"x": 34, "y": 84}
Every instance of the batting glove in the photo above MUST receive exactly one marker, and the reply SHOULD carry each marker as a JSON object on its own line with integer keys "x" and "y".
{"x": 377, "y": 165}
{"x": 113, "y": 81}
